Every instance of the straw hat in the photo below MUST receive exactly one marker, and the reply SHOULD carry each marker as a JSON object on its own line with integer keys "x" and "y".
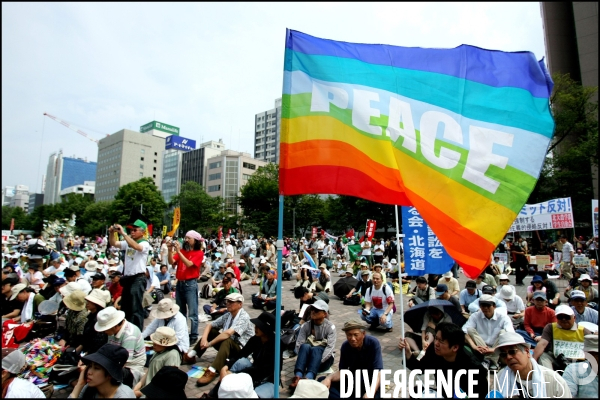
{"x": 99, "y": 297}
{"x": 166, "y": 309}
{"x": 75, "y": 301}
{"x": 164, "y": 336}
{"x": 91, "y": 266}
{"x": 510, "y": 339}
{"x": 69, "y": 288}
{"x": 507, "y": 292}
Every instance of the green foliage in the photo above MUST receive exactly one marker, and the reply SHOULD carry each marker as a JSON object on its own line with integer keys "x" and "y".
{"x": 132, "y": 196}
{"x": 21, "y": 219}
{"x": 259, "y": 198}
{"x": 567, "y": 168}
{"x": 95, "y": 218}
{"x": 199, "y": 211}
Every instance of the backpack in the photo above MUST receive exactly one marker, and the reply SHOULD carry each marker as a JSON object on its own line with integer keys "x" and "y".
{"x": 385, "y": 294}
{"x": 37, "y": 249}
{"x": 205, "y": 291}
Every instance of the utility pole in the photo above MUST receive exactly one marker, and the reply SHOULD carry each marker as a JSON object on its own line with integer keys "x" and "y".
{"x": 141, "y": 208}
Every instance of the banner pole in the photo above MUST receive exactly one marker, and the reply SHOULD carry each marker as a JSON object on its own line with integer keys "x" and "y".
{"x": 278, "y": 300}
{"x": 401, "y": 295}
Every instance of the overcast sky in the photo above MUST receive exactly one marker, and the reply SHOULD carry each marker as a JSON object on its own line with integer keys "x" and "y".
{"x": 205, "y": 68}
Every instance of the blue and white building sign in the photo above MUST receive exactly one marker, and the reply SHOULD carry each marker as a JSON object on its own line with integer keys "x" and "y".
{"x": 179, "y": 143}
{"x": 423, "y": 252}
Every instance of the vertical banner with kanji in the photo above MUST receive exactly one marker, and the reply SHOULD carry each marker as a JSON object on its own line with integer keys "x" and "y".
{"x": 423, "y": 252}
{"x": 314, "y": 231}
{"x": 370, "y": 228}
{"x": 164, "y": 231}
{"x": 176, "y": 220}
{"x": 220, "y": 233}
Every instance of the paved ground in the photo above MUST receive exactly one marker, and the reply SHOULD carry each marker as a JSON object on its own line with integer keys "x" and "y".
{"x": 340, "y": 313}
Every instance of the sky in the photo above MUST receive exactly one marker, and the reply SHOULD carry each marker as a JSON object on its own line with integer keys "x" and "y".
{"x": 206, "y": 68}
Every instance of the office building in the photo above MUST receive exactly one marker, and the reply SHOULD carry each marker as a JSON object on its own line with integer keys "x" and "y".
{"x": 571, "y": 37}
{"x": 63, "y": 172}
{"x": 194, "y": 163}
{"x": 88, "y": 188}
{"x": 20, "y": 197}
{"x": 35, "y": 200}
{"x": 267, "y": 131}
{"x": 227, "y": 173}
{"x": 175, "y": 146}
{"x": 7, "y": 193}
{"x": 127, "y": 156}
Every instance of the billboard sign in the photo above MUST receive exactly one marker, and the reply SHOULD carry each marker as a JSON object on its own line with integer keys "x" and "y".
{"x": 160, "y": 126}
{"x": 179, "y": 143}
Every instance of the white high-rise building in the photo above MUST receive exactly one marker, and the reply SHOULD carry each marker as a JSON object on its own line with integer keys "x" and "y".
{"x": 267, "y": 131}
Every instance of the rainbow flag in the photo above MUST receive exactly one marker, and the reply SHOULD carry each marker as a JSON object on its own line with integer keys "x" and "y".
{"x": 461, "y": 134}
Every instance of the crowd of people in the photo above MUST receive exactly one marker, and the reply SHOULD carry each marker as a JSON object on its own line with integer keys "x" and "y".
{"x": 109, "y": 298}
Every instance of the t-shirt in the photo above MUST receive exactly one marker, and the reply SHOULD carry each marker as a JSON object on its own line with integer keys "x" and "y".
{"x": 115, "y": 290}
{"x": 135, "y": 261}
{"x": 36, "y": 279}
{"x": 566, "y": 252}
{"x": 170, "y": 358}
{"x": 184, "y": 272}
{"x": 366, "y": 248}
{"x": 10, "y": 306}
{"x": 130, "y": 338}
{"x": 22, "y": 389}
{"x": 452, "y": 284}
{"x": 378, "y": 298}
{"x": 368, "y": 358}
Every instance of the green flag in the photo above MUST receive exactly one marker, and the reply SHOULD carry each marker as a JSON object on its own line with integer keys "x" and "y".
{"x": 354, "y": 251}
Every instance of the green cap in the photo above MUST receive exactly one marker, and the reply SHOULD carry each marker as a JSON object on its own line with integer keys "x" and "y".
{"x": 139, "y": 223}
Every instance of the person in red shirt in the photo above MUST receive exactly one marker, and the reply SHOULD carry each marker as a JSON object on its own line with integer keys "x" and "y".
{"x": 187, "y": 262}
{"x": 115, "y": 288}
{"x": 231, "y": 264}
{"x": 536, "y": 318}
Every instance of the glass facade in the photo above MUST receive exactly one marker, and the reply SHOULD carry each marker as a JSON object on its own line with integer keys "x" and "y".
{"x": 170, "y": 179}
{"x": 76, "y": 172}
{"x": 231, "y": 186}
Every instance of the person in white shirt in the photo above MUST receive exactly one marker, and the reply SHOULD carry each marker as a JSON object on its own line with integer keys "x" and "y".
{"x": 379, "y": 304}
{"x": 366, "y": 251}
{"x": 13, "y": 362}
{"x": 483, "y": 328}
{"x": 229, "y": 248}
{"x": 378, "y": 251}
{"x": 515, "y": 307}
{"x": 566, "y": 259}
{"x": 167, "y": 314}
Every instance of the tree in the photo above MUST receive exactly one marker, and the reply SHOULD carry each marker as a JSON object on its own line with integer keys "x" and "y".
{"x": 136, "y": 195}
{"x": 567, "y": 168}
{"x": 95, "y": 218}
{"x": 199, "y": 211}
{"x": 21, "y": 219}
{"x": 259, "y": 199}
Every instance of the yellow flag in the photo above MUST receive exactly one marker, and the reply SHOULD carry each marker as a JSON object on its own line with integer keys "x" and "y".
{"x": 176, "y": 219}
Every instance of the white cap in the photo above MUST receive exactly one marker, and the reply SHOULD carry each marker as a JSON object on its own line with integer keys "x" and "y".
{"x": 564, "y": 309}
{"x": 393, "y": 261}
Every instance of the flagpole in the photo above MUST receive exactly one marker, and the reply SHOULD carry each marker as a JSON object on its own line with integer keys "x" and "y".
{"x": 278, "y": 300}
{"x": 400, "y": 278}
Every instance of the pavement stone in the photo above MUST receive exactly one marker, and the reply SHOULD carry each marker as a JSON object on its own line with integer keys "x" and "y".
{"x": 392, "y": 358}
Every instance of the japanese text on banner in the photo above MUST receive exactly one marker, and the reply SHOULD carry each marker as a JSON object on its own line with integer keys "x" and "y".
{"x": 551, "y": 214}
{"x": 424, "y": 253}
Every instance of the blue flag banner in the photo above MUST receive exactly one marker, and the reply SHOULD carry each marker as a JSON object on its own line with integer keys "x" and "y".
{"x": 423, "y": 252}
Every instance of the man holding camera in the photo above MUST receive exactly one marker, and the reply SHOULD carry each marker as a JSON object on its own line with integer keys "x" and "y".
{"x": 133, "y": 280}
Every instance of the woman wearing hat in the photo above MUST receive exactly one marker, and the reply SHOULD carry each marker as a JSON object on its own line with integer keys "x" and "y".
{"x": 13, "y": 363}
{"x": 261, "y": 347}
{"x": 585, "y": 285}
{"x": 537, "y": 285}
{"x": 267, "y": 294}
{"x": 102, "y": 374}
{"x": 166, "y": 353}
{"x": 92, "y": 340}
{"x": 75, "y": 321}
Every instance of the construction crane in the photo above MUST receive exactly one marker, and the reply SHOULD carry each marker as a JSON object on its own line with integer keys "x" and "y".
{"x": 68, "y": 125}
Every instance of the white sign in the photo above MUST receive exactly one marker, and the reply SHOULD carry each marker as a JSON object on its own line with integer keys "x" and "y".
{"x": 573, "y": 350}
{"x": 502, "y": 256}
{"x": 552, "y": 214}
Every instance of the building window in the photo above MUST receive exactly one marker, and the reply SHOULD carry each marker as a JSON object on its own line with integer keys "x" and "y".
{"x": 141, "y": 166}
{"x": 249, "y": 166}
{"x": 213, "y": 177}
{"x": 141, "y": 174}
{"x": 154, "y": 161}
{"x": 155, "y": 168}
{"x": 155, "y": 154}
{"x": 214, "y": 188}
{"x": 141, "y": 158}
{"x": 154, "y": 176}
{"x": 214, "y": 165}
{"x": 142, "y": 151}
{"x": 246, "y": 176}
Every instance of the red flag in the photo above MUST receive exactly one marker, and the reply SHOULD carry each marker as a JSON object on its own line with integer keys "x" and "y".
{"x": 12, "y": 224}
{"x": 370, "y": 228}
{"x": 150, "y": 228}
{"x": 350, "y": 233}
{"x": 314, "y": 231}
{"x": 220, "y": 233}
{"x": 323, "y": 232}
